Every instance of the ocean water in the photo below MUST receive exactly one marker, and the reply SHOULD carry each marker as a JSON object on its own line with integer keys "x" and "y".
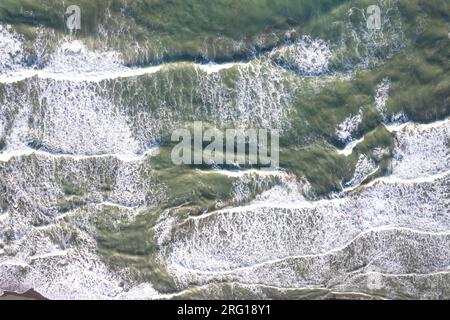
{"x": 92, "y": 207}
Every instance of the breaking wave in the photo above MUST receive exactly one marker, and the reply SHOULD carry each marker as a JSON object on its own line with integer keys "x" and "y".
{"x": 396, "y": 229}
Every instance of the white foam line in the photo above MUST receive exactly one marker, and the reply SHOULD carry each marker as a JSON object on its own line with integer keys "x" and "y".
{"x": 57, "y": 253}
{"x": 96, "y": 77}
{"x": 395, "y": 127}
{"x": 249, "y": 285}
{"x": 354, "y": 293}
{"x": 401, "y": 275}
{"x": 113, "y": 74}
{"x": 17, "y": 76}
{"x": 241, "y": 173}
{"x": 4, "y": 216}
{"x": 317, "y": 255}
{"x": 14, "y": 263}
{"x": 360, "y": 184}
{"x": 72, "y": 213}
{"x": 117, "y": 205}
{"x": 7, "y": 156}
{"x": 309, "y": 288}
{"x": 300, "y": 204}
{"x": 348, "y": 150}
{"x": 87, "y": 77}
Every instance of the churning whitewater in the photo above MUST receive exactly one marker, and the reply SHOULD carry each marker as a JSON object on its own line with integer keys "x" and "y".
{"x": 77, "y": 144}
